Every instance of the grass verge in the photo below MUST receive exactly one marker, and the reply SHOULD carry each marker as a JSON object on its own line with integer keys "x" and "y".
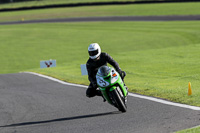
{"x": 115, "y": 10}
{"x": 160, "y": 58}
{"x": 190, "y": 130}
{"x": 51, "y": 2}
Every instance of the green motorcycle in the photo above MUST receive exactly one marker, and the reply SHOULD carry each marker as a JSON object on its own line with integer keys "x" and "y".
{"x": 112, "y": 87}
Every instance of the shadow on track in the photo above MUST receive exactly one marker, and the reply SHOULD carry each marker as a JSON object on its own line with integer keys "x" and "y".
{"x": 61, "y": 119}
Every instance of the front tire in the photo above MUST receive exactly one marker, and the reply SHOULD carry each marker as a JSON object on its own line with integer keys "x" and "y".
{"x": 119, "y": 101}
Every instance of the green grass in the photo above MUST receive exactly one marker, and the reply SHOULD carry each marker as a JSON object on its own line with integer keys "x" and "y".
{"x": 160, "y": 58}
{"x": 191, "y": 130}
{"x": 50, "y": 2}
{"x": 56, "y": 2}
{"x": 115, "y": 10}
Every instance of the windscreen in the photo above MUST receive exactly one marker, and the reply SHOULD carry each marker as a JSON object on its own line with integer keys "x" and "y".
{"x": 104, "y": 70}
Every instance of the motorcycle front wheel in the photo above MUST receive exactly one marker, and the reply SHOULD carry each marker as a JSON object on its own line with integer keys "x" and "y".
{"x": 119, "y": 100}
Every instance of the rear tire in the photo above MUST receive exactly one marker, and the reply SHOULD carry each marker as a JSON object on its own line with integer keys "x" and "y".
{"x": 119, "y": 101}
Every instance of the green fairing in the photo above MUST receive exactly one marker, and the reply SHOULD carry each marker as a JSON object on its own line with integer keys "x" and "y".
{"x": 121, "y": 84}
{"x": 113, "y": 87}
{"x": 105, "y": 95}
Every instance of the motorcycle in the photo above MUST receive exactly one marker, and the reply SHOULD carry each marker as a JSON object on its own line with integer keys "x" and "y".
{"x": 112, "y": 87}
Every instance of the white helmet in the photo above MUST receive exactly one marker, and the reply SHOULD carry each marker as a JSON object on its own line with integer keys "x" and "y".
{"x": 94, "y": 50}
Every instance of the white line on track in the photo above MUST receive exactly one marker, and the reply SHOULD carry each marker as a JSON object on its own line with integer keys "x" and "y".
{"x": 130, "y": 94}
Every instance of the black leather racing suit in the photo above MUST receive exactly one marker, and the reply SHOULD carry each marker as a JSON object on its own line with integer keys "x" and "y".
{"x": 92, "y": 68}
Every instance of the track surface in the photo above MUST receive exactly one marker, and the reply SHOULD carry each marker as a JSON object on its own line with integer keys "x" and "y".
{"x": 32, "y": 104}
{"x": 111, "y": 18}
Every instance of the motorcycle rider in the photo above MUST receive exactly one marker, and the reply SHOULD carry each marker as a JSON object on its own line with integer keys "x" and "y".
{"x": 95, "y": 61}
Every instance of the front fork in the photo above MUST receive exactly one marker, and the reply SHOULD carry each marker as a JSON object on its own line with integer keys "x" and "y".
{"x": 123, "y": 92}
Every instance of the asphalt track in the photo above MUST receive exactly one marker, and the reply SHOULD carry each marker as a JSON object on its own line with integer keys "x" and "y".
{"x": 110, "y": 18}
{"x": 32, "y": 104}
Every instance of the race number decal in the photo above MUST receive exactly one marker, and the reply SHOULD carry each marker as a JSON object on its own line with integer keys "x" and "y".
{"x": 101, "y": 82}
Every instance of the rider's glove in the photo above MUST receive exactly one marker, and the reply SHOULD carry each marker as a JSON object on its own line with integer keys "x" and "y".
{"x": 122, "y": 74}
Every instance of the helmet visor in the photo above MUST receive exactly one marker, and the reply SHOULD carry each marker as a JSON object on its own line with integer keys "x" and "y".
{"x": 93, "y": 53}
